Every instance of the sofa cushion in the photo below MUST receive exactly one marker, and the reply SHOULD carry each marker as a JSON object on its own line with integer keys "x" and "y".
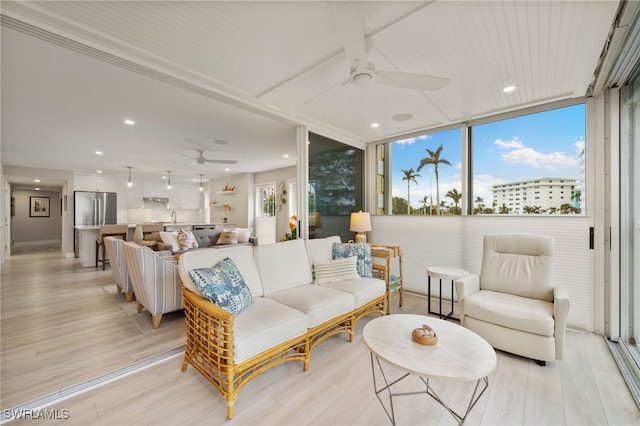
{"x": 318, "y": 303}
{"x": 283, "y": 265}
{"x": 361, "y": 250}
{"x": 227, "y": 237}
{"x": 186, "y": 239}
{"x": 170, "y": 240}
{"x": 224, "y": 285}
{"x": 243, "y": 234}
{"x": 364, "y": 290}
{"x": 205, "y": 258}
{"x": 336, "y": 270}
{"x": 319, "y": 250}
{"x": 516, "y": 312}
{"x": 264, "y": 324}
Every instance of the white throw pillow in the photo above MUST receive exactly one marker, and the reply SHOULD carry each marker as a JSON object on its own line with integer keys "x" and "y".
{"x": 243, "y": 234}
{"x": 170, "y": 239}
{"x": 336, "y": 270}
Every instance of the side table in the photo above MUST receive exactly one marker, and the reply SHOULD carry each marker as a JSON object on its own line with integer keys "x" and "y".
{"x": 442, "y": 273}
{"x": 393, "y": 282}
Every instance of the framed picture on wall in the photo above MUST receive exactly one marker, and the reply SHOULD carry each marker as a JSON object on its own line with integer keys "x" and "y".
{"x": 39, "y": 207}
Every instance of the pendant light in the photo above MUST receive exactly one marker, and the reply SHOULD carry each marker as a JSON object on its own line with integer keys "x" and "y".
{"x": 201, "y": 188}
{"x": 129, "y": 183}
{"x": 168, "y": 179}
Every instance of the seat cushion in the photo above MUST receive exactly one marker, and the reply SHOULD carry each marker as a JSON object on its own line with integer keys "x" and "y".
{"x": 363, "y": 290}
{"x": 264, "y": 324}
{"x": 318, "y": 303}
{"x": 515, "y": 312}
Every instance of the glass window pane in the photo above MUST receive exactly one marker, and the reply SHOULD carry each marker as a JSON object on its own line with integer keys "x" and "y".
{"x": 425, "y": 175}
{"x": 532, "y": 164}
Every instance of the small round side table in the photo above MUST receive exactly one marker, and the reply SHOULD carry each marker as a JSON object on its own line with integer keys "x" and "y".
{"x": 443, "y": 273}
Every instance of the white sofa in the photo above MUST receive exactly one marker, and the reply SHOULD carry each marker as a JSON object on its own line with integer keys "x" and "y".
{"x": 288, "y": 316}
{"x": 513, "y": 303}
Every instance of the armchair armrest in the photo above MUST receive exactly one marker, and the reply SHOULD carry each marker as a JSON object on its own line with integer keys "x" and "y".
{"x": 253, "y": 241}
{"x": 561, "y": 305}
{"x": 466, "y": 286}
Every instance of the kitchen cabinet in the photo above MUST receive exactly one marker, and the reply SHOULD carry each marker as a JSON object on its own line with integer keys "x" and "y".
{"x": 99, "y": 183}
{"x": 129, "y": 197}
{"x": 184, "y": 196}
{"x": 155, "y": 189}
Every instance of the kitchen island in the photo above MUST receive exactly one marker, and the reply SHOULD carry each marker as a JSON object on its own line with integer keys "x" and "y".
{"x": 88, "y": 235}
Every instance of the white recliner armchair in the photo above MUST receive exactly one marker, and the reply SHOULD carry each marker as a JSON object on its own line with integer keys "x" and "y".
{"x": 512, "y": 303}
{"x": 156, "y": 281}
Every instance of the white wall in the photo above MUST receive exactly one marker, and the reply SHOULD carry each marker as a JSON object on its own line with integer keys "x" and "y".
{"x": 457, "y": 241}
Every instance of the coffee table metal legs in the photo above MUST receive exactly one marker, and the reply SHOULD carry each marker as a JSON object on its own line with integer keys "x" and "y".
{"x": 460, "y": 419}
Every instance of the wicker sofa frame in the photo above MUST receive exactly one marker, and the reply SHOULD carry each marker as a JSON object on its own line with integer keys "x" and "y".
{"x": 209, "y": 347}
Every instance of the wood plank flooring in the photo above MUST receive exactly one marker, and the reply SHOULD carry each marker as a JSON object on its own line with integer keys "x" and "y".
{"x": 62, "y": 324}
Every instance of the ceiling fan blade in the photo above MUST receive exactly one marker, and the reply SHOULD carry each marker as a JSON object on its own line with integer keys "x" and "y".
{"x": 349, "y": 29}
{"x": 188, "y": 156}
{"x": 222, "y": 161}
{"x": 410, "y": 81}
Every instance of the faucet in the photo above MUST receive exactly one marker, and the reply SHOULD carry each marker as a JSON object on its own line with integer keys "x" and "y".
{"x": 174, "y": 217}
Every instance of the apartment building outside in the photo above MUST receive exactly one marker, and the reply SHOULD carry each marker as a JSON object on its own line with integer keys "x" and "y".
{"x": 542, "y": 195}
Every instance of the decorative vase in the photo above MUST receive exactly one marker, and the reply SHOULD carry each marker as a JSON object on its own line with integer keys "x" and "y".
{"x": 138, "y": 235}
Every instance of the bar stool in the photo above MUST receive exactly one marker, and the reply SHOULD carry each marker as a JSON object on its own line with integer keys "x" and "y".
{"x": 116, "y": 231}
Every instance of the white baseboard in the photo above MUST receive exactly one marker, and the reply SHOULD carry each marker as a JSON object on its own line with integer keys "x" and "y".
{"x": 36, "y": 243}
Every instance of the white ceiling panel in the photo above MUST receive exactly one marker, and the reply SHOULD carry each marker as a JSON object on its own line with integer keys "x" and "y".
{"x": 248, "y": 72}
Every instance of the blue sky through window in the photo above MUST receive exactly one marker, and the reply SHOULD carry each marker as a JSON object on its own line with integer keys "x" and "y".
{"x": 544, "y": 144}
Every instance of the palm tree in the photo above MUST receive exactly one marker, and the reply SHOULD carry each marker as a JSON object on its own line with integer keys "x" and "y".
{"x": 434, "y": 158}
{"x": 455, "y": 196}
{"x": 423, "y": 203}
{"x": 409, "y": 175}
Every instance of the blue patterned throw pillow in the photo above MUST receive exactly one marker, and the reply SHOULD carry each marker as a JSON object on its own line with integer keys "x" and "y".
{"x": 223, "y": 285}
{"x": 361, "y": 250}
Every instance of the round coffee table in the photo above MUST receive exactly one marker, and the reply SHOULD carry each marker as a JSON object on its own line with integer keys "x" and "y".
{"x": 459, "y": 355}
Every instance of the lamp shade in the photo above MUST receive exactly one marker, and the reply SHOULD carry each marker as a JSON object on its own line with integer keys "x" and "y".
{"x": 360, "y": 222}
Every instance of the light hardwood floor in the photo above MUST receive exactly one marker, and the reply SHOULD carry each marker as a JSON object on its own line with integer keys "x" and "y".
{"x": 62, "y": 324}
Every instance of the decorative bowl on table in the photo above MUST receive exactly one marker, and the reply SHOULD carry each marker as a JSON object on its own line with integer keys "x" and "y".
{"x": 424, "y": 335}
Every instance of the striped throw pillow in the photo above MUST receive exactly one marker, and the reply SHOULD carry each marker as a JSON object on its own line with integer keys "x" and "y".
{"x": 336, "y": 270}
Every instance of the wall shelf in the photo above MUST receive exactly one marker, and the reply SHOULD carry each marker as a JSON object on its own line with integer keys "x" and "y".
{"x": 225, "y": 192}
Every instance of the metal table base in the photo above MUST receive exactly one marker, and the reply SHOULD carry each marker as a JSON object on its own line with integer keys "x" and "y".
{"x": 460, "y": 418}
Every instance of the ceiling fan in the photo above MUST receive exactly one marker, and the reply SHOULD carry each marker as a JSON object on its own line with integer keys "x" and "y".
{"x": 364, "y": 72}
{"x": 201, "y": 159}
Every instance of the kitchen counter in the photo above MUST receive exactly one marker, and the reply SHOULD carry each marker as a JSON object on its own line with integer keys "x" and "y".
{"x": 88, "y": 235}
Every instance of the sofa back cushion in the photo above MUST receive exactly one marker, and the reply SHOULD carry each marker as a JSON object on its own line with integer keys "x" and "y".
{"x": 283, "y": 265}
{"x": 207, "y": 237}
{"x": 518, "y": 264}
{"x": 319, "y": 249}
{"x": 242, "y": 256}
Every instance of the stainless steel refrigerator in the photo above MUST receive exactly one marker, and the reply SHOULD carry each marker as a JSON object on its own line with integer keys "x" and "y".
{"x": 93, "y": 208}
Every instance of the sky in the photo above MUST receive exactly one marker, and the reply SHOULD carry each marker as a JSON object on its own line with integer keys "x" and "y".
{"x": 545, "y": 144}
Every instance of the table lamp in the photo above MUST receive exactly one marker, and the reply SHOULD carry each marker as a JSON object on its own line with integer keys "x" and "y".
{"x": 360, "y": 223}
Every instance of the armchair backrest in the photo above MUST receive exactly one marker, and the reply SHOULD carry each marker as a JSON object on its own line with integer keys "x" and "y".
{"x": 518, "y": 264}
{"x": 155, "y": 279}
{"x": 115, "y": 254}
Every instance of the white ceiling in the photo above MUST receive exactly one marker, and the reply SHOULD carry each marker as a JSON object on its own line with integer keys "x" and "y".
{"x": 190, "y": 73}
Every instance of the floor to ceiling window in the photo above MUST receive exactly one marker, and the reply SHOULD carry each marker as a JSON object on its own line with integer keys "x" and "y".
{"x": 630, "y": 218}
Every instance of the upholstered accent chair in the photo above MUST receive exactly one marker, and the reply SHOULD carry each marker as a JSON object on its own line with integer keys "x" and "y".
{"x": 115, "y": 253}
{"x": 118, "y": 231}
{"x": 513, "y": 303}
{"x": 155, "y": 279}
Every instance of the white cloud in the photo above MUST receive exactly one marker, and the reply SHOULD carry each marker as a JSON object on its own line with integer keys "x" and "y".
{"x": 410, "y": 141}
{"x": 513, "y": 143}
{"x": 482, "y": 184}
{"x": 537, "y": 159}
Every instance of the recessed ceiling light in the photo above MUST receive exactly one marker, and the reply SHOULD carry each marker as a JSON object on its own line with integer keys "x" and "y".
{"x": 227, "y": 169}
{"x": 129, "y": 122}
{"x": 98, "y": 171}
{"x": 98, "y": 152}
{"x": 37, "y": 189}
{"x": 402, "y": 117}
{"x": 36, "y": 180}
{"x": 374, "y": 125}
{"x": 509, "y": 89}
{"x": 286, "y": 155}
